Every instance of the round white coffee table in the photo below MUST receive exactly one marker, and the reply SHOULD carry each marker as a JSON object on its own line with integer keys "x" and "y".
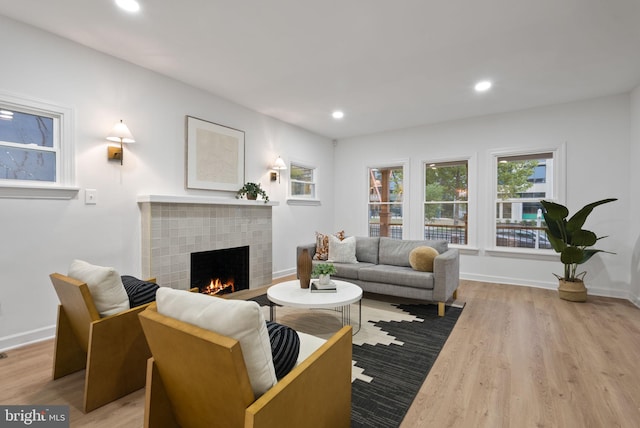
{"x": 289, "y": 293}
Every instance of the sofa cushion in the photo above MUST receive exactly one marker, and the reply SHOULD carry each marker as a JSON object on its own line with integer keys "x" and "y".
{"x": 397, "y": 275}
{"x": 342, "y": 251}
{"x": 105, "y": 286}
{"x": 349, "y": 270}
{"x": 367, "y": 249}
{"x": 421, "y": 258}
{"x": 238, "y": 319}
{"x": 322, "y": 245}
{"x": 285, "y": 347}
{"x": 396, "y": 251}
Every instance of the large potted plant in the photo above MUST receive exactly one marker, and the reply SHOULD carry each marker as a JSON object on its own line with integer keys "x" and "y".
{"x": 252, "y": 191}
{"x": 568, "y": 238}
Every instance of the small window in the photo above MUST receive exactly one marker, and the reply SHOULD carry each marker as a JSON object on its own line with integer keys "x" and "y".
{"x": 36, "y": 149}
{"x": 446, "y": 195}
{"x": 28, "y": 146}
{"x": 303, "y": 182}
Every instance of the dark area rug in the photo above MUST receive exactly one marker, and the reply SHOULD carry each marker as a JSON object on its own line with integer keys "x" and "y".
{"x": 396, "y": 370}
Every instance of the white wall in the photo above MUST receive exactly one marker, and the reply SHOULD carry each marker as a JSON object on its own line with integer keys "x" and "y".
{"x": 596, "y": 133}
{"x": 634, "y": 195}
{"x": 43, "y": 236}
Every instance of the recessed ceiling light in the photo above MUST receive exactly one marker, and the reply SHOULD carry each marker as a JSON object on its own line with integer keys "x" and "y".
{"x": 337, "y": 114}
{"x": 482, "y": 86}
{"x": 128, "y": 5}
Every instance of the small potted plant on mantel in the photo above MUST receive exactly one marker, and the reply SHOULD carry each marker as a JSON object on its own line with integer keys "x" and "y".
{"x": 572, "y": 242}
{"x": 252, "y": 191}
{"x": 323, "y": 272}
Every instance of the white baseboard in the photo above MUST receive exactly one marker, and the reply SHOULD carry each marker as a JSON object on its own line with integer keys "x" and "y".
{"x": 552, "y": 285}
{"x": 283, "y": 273}
{"x": 27, "y": 338}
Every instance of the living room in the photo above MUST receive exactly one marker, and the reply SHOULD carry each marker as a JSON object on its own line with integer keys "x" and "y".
{"x": 600, "y": 136}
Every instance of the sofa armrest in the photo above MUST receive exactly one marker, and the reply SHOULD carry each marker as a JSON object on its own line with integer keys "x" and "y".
{"x": 299, "y": 248}
{"x": 446, "y": 274}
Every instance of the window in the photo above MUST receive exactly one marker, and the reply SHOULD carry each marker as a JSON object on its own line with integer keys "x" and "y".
{"x": 446, "y": 201}
{"x": 36, "y": 150}
{"x": 522, "y": 181}
{"x": 385, "y": 201}
{"x": 303, "y": 184}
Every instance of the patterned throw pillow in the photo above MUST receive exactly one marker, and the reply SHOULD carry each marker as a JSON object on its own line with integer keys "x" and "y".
{"x": 140, "y": 292}
{"x": 322, "y": 245}
{"x": 285, "y": 347}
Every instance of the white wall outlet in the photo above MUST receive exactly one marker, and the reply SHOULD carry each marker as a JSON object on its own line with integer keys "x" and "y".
{"x": 90, "y": 196}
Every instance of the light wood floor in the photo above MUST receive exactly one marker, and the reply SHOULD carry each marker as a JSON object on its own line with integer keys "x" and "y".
{"x": 518, "y": 357}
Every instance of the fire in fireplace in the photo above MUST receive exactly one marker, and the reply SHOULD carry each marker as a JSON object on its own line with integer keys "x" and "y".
{"x": 220, "y": 271}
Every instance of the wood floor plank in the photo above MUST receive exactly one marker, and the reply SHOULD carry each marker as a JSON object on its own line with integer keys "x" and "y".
{"x": 518, "y": 357}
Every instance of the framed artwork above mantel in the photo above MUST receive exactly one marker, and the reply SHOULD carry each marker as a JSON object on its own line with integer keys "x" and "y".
{"x": 215, "y": 156}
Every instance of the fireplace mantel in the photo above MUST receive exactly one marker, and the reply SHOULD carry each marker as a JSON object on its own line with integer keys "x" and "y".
{"x": 204, "y": 200}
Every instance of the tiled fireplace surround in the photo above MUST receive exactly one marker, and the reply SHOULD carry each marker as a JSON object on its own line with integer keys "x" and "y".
{"x": 173, "y": 227}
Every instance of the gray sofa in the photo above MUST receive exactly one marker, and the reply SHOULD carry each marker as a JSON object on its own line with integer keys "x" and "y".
{"x": 383, "y": 267}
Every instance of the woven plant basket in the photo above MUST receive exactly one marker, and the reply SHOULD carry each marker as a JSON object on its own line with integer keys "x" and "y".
{"x": 574, "y": 291}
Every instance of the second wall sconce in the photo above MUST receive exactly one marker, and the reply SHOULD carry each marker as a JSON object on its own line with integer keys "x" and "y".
{"x": 120, "y": 134}
{"x": 279, "y": 166}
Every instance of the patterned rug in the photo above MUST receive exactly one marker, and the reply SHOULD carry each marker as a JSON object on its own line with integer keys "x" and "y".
{"x": 393, "y": 352}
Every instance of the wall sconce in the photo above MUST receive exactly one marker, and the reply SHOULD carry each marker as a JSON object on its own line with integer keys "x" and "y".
{"x": 279, "y": 166}
{"x": 120, "y": 134}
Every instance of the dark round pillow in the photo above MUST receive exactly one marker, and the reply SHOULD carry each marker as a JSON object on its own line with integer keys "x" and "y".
{"x": 285, "y": 347}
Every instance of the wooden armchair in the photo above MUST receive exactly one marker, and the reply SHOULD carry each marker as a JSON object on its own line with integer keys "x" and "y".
{"x": 198, "y": 378}
{"x": 113, "y": 349}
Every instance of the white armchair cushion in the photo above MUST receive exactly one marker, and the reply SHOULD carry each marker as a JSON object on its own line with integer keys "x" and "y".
{"x": 239, "y": 319}
{"x": 105, "y": 286}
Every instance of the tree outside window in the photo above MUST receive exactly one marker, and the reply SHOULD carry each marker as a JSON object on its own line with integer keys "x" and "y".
{"x": 446, "y": 201}
{"x": 385, "y": 201}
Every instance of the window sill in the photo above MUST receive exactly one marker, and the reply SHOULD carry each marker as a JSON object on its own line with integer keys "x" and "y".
{"x": 523, "y": 253}
{"x": 37, "y": 192}
{"x": 301, "y": 201}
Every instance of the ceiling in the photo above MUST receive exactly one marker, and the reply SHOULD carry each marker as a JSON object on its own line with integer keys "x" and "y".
{"x": 386, "y": 64}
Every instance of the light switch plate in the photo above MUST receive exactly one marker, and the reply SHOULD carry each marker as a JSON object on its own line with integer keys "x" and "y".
{"x": 90, "y": 196}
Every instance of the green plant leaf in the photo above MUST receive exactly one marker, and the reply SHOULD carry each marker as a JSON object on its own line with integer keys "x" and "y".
{"x": 583, "y": 238}
{"x": 554, "y": 211}
{"x": 578, "y": 219}
{"x": 572, "y": 255}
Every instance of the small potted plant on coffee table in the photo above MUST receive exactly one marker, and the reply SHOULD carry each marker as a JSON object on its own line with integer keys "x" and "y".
{"x": 323, "y": 272}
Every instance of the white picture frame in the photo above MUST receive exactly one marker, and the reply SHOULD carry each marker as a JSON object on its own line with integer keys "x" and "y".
{"x": 215, "y": 156}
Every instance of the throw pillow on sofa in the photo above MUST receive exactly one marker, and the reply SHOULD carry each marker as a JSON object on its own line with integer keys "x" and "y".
{"x": 342, "y": 251}
{"x": 105, "y": 286}
{"x": 322, "y": 245}
{"x": 421, "y": 258}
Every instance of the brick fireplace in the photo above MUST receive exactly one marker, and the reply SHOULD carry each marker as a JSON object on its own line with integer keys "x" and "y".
{"x": 173, "y": 227}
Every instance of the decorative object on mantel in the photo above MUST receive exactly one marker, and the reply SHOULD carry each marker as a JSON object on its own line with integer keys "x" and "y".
{"x": 572, "y": 242}
{"x": 252, "y": 191}
{"x": 215, "y": 156}
{"x": 119, "y": 134}
{"x": 323, "y": 272}
{"x": 304, "y": 268}
{"x": 278, "y": 166}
